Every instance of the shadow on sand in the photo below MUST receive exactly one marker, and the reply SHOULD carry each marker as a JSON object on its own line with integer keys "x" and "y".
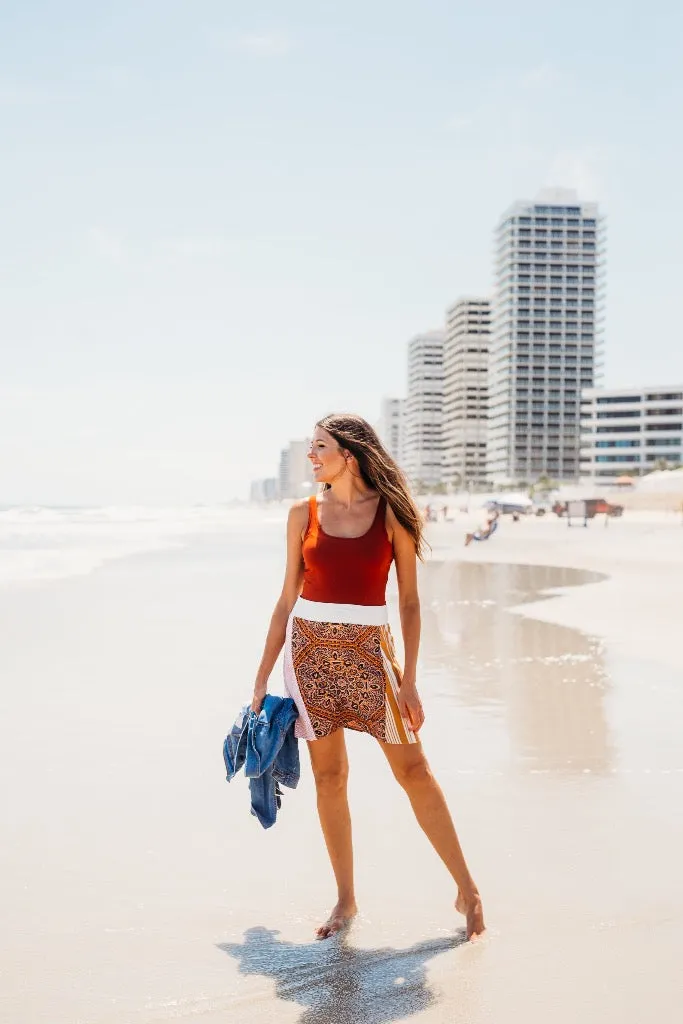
{"x": 338, "y": 984}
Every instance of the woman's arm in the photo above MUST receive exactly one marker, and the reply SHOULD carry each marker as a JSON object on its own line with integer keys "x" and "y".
{"x": 291, "y": 588}
{"x": 405, "y": 557}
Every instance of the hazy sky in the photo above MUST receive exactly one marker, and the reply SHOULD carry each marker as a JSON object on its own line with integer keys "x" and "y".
{"x": 219, "y": 221}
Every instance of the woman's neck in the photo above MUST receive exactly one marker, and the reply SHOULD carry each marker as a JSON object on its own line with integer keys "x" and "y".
{"x": 348, "y": 491}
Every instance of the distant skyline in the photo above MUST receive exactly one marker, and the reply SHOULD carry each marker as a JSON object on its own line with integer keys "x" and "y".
{"x": 220, "y": 222}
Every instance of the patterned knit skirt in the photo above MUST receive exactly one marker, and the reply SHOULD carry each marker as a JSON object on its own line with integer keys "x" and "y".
{"x": 340, "y": 669}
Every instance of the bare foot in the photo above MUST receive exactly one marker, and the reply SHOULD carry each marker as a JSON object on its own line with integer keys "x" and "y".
{"x": 474, "y": 913}
{"x": 341, "y": 916}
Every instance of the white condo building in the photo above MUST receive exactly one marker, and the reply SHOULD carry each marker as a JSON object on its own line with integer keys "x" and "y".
{"x": 295, "y": 477}
{"x": 465, "y": 392}
{"x": 547, "y": 335}
{"x": 628, "y": 430}
{"x": 424, "y": 409}
{"x": 390, "y": 427}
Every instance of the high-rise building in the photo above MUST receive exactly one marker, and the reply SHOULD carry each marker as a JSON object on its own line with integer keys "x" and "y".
{"x": 283, "y": 474}
{"x": 629, "y": 430}
{"x": 424, "y": 410}
{"x": 465, "y": 392}
{"x": 390, "y": 427}
{"x": 546, "y": 335}
{"x": 295, "y": 476}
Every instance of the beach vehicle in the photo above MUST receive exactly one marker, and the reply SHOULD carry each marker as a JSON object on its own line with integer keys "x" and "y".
{"x": 607, "y": 507}
{"x": 509, "y": 508}
{"x": 509, "y": 503}
{"x": 594, "y": 506}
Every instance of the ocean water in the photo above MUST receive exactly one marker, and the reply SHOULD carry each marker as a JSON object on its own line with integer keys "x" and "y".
{"x": 49, "y": 543}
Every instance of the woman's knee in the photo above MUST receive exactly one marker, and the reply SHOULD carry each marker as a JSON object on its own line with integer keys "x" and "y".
{"x": 331, "y": 779}
{"x": 413, "y": 773}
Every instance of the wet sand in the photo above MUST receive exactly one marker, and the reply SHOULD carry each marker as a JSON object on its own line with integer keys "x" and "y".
{"x": 636, "y": 609}
{"x": 137, "y": 887}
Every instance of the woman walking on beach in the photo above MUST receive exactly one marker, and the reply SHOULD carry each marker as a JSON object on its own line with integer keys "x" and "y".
{"x": 339, "y": 662}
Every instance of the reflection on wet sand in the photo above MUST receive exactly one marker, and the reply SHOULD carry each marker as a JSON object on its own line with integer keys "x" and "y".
{"x": 548, "y": 680}
{"x": 537, "y": 688}
{"x": 338, "y": 984}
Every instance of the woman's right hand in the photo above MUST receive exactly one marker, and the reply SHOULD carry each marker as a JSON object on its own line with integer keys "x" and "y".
{"x": 258, "y": 698}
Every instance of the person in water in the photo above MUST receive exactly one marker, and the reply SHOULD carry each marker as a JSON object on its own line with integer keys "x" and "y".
{"x": 340, "y": 666}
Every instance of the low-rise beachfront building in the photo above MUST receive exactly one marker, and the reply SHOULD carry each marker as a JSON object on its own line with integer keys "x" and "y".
{"x": 628, "y": 431}
{"x": 264, "y": 490}
{"x": 423, "y": 424}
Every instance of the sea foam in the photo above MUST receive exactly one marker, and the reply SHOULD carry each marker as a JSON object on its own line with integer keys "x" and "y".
{"x": 47, "y": 543}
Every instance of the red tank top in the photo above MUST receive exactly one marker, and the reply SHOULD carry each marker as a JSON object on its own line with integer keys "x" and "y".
{"x": 346, "y": 570}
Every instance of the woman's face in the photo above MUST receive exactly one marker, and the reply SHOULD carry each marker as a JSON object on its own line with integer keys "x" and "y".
{"x": 326, "y": 457}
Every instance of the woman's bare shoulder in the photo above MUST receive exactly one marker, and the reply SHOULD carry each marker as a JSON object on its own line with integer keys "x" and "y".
{"x": 391, "y": 518}
{"x": 391, "y": 523}
{"x": 297, "y": 520}
{"x": 298, "y": 510}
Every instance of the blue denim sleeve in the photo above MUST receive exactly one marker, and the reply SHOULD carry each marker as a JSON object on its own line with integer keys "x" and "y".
{"x": 258, "y": 731}
{"x": 266, "y": 734}
{"x": 287, "y": 767}
{"x": 235, "y": 744}
{"x": 272, "y": 756}
{"x": 264, "y": 798}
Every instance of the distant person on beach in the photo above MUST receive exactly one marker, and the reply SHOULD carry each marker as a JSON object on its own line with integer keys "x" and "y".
{"x": 486, "y": 531}
{"x": 339, "y": 661}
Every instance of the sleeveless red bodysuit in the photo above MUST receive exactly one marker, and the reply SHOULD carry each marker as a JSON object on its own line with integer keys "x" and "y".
{"x": 346, "y": 570}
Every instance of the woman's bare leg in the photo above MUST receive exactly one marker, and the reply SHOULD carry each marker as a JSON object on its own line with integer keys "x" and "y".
{"x": 331, "y": 771}
{"x": 410, "y": 767}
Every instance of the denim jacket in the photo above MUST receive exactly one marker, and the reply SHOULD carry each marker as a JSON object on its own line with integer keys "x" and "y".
{"x": 265, "y": 745}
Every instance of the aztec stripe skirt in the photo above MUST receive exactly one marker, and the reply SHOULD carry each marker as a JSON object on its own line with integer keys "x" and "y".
{"x": 341, "y": 671}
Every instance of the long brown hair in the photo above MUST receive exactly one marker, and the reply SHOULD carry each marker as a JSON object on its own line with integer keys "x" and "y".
{"x": 377, "y": 468}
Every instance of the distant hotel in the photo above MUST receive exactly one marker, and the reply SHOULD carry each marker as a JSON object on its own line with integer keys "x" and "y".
{"x": 390, "y": 427}
{"x": 465, "y": 393}
{"x": 546, "y": 338}
{"x": 295, "y": 478}
{"x": 422, "y": 443}
{"x": 628, "y": 430}
{"x": 264, "y": 490}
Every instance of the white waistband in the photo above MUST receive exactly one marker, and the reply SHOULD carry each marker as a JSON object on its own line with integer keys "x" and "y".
{"x": 356, "y": 614}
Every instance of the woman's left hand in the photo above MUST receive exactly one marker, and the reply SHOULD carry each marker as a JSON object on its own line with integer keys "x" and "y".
{"x": 410, "y": 705}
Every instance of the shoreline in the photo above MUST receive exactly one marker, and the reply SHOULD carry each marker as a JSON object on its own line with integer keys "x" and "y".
{"x": 635, "y": 609}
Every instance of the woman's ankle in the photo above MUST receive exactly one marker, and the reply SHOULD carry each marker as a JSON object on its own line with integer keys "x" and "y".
{"x": 346, "y": 900}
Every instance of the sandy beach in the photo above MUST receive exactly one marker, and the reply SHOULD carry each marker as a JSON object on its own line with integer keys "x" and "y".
{"x": 137, "y": 888}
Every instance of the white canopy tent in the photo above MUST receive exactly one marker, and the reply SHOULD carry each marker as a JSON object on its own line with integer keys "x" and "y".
{"x": 662, "y": 481}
